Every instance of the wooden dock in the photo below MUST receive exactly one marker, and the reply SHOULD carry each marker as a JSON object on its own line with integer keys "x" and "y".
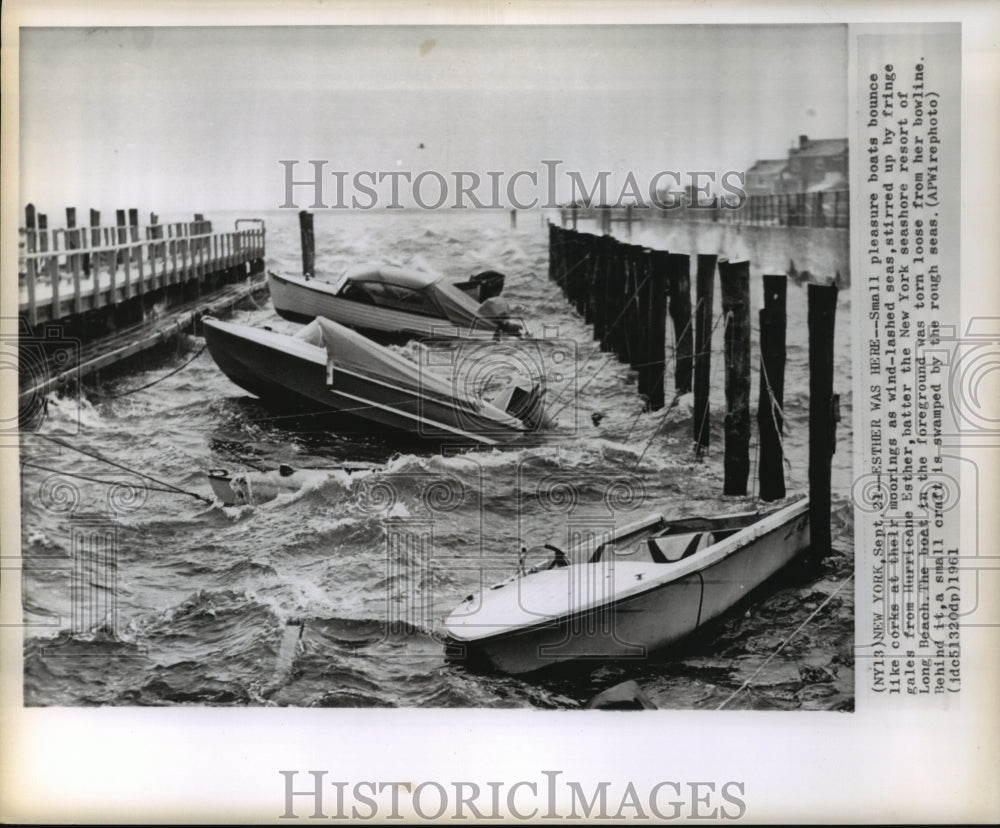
{"x": 106, "y": 293}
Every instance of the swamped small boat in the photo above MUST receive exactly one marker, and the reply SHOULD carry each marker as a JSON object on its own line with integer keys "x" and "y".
{"x": 326, "y": 367}
{"x": 647, "y": 585}
{"x": 395, "y": 303}
{"x": 250, "y": 488}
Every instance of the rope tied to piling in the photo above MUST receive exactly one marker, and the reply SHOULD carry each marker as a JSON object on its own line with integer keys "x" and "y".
{"x": 776, "y": 409}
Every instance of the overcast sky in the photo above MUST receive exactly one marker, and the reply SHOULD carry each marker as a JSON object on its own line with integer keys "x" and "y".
{"x": 184, "y": 119}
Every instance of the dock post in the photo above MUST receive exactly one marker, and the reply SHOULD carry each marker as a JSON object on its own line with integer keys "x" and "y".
{"x": 73, "y": 244}
{"x": 513, "y": 219}
{"x": 770, "y": 420}
{"x": 629, "y": 315}
{"x": 30, "y": 265}
{"x": 569, "y": 269}
{"x": 308, "y": 244}
{"x": 659, "y": 286}
{"x": 598, "y": 287}
{"x": 120, "y": 234}
{"x": 705, "y": 299}
{"x": 679, "y": 287}
{"x": 619, "y": 293}
{"x": 552, "y": 245}
{"x": 133, "y": 232}
{"x": 645, "y": 301}
{"x": 43, "y": 232}
{"x": 823, "y": 414}
{"x": 734, "y": 279}
{"x": 586, "y": 303}
{"x": 559, "y": 254}
{"x": 94, "y": 259}
{"x": 30, "y": 226}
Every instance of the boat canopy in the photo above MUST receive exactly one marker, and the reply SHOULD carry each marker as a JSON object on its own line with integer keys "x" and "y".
{"x": 388, "y": 275}
{"x": 417, "y": 291}
{"x": 350, "y": 350}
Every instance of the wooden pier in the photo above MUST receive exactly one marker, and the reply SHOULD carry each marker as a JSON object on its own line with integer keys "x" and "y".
{"x": 114, "y": 291}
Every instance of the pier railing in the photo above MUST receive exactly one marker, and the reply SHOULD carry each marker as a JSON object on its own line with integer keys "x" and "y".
{"x": 71, "y": 270}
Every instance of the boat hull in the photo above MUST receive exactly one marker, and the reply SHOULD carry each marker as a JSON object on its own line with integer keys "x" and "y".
{"x": 639, "y": 623}
{"x": 283, "y": 370}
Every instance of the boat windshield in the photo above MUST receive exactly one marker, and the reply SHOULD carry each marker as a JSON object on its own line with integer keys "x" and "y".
{"x": 413, "y": 291}
{"x": 663, "y": 549}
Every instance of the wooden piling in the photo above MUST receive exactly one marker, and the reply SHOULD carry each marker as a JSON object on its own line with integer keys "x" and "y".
{"x": 583, "y": 275}
{"x": 645, "y": 301}
{"x": 43, "y": 232}
{"x": 30, "y": 267}
{"x": 308, "y": 244}
{"x": 705, "y": 298}
{"x": 770, "y": 422}
{"x": 659, "y": 279}
{"x": 734, "y": 279}
{"x": 600, "y": 288}
{"x": 679, "y": 288}
{"x": 611, "y": 288}
{"x": 94, "y": 259}
{"x": 133, "y": 236}
{"x": 823, "y": 414}
{"x": 120, "y": 223}
{"x": 581, "y": 272}
{"x": 619, "y": 338}
{"x": 630, "y": 320}
{"x": 72, "y": 245}
{"x": 572, "y": 249}
{"x": 30, "y": 226}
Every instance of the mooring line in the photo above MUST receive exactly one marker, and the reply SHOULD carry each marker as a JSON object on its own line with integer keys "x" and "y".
{"x": 176, "y": 370}
{"x": 781, "y": 646}
{"x": 62, "y": 473}
{"x": 96, "y": 456}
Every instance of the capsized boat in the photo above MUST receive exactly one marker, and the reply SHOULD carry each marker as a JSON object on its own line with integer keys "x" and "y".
{"x": 327, "y": 367}
{"x": 395, "y": 303}
{"x": 243, "y": 488}
{"x": 644, "y": 586}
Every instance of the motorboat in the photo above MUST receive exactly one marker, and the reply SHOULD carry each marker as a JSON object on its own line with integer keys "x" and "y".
{"x": 624, "y": 595}
{"x": 396, "y": 304}
{"x": 327, "y": 367}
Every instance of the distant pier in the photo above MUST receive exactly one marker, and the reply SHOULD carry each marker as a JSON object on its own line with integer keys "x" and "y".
{"x": 90, "y": 297}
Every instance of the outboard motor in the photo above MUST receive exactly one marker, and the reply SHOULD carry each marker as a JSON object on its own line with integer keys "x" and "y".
{"x": 526, "y": 404}
{"x": 496, "y": 311}
{"x": 490, "y": 283}
{"x": 483, "y": 285}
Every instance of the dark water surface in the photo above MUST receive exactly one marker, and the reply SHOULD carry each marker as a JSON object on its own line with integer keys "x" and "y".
{"x": 196, "y": 606}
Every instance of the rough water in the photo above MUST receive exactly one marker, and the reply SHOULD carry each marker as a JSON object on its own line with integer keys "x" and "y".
{"x": 333, "y": 594}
